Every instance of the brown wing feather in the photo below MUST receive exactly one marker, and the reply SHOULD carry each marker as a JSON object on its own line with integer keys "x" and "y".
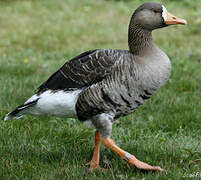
{"x": 81, "y": 71}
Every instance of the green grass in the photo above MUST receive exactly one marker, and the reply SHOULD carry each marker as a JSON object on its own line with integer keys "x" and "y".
{"x": 37, "y": 37}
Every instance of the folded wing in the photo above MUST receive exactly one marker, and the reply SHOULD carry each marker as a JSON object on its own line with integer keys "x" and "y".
{"x": 82, "y": 71}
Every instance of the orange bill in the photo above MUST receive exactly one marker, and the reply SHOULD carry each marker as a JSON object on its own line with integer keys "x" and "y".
{"x": 171, "y": 20}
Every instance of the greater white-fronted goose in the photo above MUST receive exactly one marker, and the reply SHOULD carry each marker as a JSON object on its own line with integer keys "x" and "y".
{"x": 101, "y": 85}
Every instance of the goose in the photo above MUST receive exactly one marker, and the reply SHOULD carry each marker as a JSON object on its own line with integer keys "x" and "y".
{"x": 101, "y": 85}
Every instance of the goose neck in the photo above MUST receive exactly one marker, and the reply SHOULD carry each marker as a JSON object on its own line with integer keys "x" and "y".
{"x": 139, "y": 40}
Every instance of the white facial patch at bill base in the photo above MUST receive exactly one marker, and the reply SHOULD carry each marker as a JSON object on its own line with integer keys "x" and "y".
{"x": 164, "y": 13}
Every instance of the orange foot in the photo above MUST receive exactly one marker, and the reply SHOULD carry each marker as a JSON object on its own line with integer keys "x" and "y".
{"x": 132, "y": 160}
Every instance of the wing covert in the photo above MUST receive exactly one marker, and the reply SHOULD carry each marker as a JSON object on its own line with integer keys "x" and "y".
{"x": 81, "y": 71}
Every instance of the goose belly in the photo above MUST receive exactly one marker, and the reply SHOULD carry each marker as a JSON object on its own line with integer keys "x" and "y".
{"x": 59, "y": 103}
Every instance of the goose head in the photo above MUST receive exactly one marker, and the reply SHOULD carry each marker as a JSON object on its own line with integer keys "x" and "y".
{"x": 151, "y": 16}
{"x": 147, "y": 17}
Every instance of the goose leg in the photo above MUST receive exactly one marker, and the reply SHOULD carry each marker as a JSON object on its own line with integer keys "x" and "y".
{"x": 94, "y": 163}
{"x": 131, "y": 160}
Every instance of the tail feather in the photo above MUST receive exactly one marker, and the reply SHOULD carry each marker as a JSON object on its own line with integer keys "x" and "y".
{"x": 17, "y": 113}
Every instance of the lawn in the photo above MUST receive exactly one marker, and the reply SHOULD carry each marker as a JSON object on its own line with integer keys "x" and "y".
{"x": 37, "y": 37}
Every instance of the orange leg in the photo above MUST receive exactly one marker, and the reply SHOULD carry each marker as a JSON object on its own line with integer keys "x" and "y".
{"x": 94, "y": 163}
{"x": 132, "y": 160}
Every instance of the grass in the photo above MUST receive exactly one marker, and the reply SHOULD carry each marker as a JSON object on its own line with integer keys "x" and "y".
{"x": 37, "y": 37}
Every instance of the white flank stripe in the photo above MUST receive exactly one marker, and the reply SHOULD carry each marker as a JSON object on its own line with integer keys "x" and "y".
{"x": 59, "y": 103}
